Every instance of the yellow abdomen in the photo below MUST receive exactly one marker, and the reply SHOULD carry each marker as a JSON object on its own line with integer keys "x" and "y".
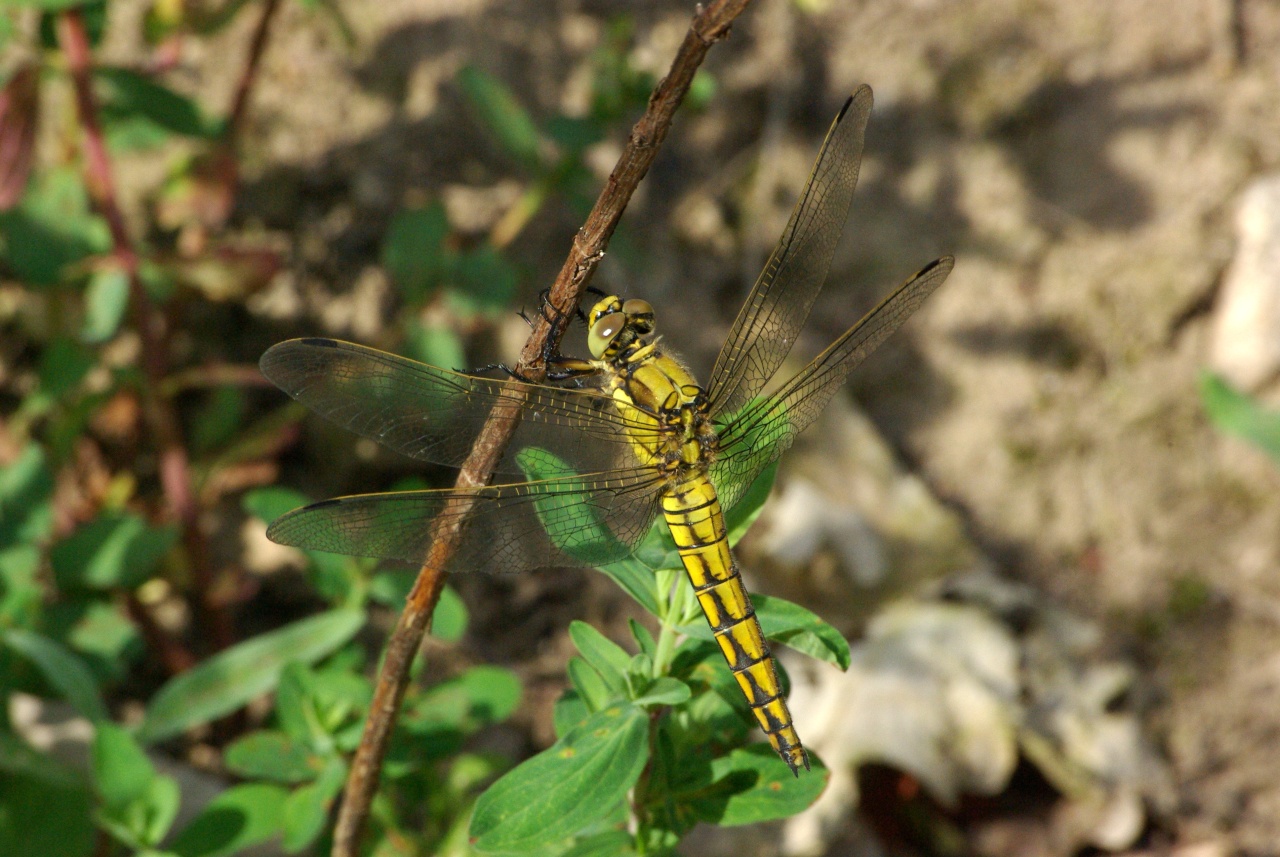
{"x": 697, "y": 524}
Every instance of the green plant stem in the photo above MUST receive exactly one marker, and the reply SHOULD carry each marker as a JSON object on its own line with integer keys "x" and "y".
{"x": 674, "y": 603}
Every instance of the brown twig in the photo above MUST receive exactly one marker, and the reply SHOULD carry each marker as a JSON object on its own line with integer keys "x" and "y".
{"x": 162, "y": 419}
{"x": 710, "y": 24}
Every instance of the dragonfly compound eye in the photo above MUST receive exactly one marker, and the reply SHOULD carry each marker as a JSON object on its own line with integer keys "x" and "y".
{"x": 603, "y": 333}
{"x": 640, "y": 315}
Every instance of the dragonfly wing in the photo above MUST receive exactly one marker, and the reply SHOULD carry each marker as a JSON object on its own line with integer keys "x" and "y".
{"x": 764, "y": 429}
{"x": 434, "y": 414}
{"x": 586, "y": 520}
{"x": 780, "y": 301}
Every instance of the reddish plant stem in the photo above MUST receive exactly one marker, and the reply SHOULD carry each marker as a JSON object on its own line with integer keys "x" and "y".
{"x": 710, "y": 24}
{"x": 250, "y": 74}
{"x": 162, "y": 418}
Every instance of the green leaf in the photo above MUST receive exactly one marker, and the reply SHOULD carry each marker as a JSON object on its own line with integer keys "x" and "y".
{"x": 644, "y": 639}
{"x": 608, "y": 843}
{"x": 105, "y": 638}
{"x": 155, "y": 814}
{"x": 63, "y": 366}
{"x": 293, "y": 706}
{"x": 486, "y": 282}
{"x": 636, "y": 579}
{"x": 268, "y": 755}
{"x": 1240, "y": 415}
{"x": 53, "y": 227}
{"x": 38, "y": 818}
{"x": 115, "y": 550}
{"x": 588, "y": 539}
{"x": 762, "y": 788}
{"x": 122, "y": 772}
{"x": 436, "y": 344}
{"x": 578, "y": 780}
{"x": 664, "y": 691}
{"x": 219, "y": 420}
{"x": 794, "y": 626}
{"x": 306, "y": 811}
{"x": 790, "y": 624}
{"x": 503, "y": 116}
{"x": 607, "y": 658}
{"x": 130, "y": 95}
{"x": 413, "y": 251}
{"x": 231, "y": 678}
{"x": 21, "y": 594}
{"x": 744, "y": 513}
{"x": 238, "y": 818}
{"x": 61, "y": 670}
{"x": 448, "y": 622}
{"x": 570, "y": 710}
{"x": 268, "y": 504}
{"x": 105, "y": 301}
{"x": 26, "y": 498}
{"x": 494, "y": 693}
{"x": 590, "y": 685}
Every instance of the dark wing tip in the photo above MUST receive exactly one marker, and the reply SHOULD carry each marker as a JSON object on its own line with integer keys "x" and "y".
{"x": 317, "y": 341}
{"x": 862, "y": 96}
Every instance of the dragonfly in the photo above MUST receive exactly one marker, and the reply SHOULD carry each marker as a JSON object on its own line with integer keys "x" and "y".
{"x": 609, "y": 444}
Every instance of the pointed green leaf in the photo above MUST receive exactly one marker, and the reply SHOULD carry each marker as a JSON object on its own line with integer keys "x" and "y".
{"x": 578, "y": 780}
{"x": 61, "y": 669}
{"x": 642, "y": 636}
{"x": 798, "y": 628}
{"x": 589, "y": 684}
{"x": 115, "y": 550}
{"x": 26, "y": 495}
{"x": 503, "y": 116}
{"x": 607, "y": 658}
{"x": 132, "y": 96}
{"x": 105, "y": 301}
{"x": 664, "y": 691}
{"x": 1241, "y": 415}
{"x": 231, "y": 678}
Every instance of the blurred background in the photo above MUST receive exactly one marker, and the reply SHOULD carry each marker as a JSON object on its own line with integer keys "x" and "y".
{"x": 1072, "y": 440}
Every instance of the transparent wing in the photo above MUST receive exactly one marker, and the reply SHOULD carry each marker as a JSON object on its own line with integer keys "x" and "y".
{"x": 765, "y": 428}
{"x": 586, "y": 520}
{"x": 779, "y": 303}
{"x": 433, "y": 414}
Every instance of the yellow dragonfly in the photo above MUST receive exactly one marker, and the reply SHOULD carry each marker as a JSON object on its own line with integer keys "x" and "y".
{"x": 628, "y": 434}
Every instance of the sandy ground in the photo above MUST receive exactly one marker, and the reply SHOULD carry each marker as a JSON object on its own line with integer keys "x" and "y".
{"x": 1081, "y": 159}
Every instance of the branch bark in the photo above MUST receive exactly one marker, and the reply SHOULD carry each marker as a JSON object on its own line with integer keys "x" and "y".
{"x": 709, "y": 25}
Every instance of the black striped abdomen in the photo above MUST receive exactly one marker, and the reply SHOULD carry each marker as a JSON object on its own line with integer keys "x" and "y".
{"x": 697, "y": 525}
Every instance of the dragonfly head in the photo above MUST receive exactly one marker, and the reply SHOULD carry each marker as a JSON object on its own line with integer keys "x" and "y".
{"x": 616, "y": 324}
